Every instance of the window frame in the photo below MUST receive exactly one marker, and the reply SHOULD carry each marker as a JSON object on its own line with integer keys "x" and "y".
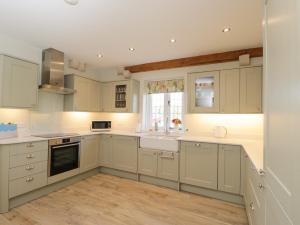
{"x": 167, "y": 111}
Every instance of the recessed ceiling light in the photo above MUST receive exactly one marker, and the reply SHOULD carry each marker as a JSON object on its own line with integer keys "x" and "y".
{"x": 72, "y": 2}
{"x": 173, "y": 40}
{"x": 99, "y": 55}
{"x": 226, "y": 29}
{"x": 131, "y": 49}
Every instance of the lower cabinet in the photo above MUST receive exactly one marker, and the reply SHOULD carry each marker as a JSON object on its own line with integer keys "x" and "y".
{"x": 118, "y": 152}
{"x": 254, "y": 195}
{"x": 105, "y": 155}
{"x": 156, "y": 163}
{"x": 199, "y": 164}
{"x": 229, "y": 169}
{"x": 125, "y": 153}
{"x": 89, "y": 152}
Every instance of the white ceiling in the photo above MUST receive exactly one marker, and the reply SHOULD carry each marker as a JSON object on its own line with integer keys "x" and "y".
{"x": 110, "y": 27}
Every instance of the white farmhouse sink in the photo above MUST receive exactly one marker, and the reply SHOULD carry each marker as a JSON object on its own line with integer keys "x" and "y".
{"x": 160, "y": 142}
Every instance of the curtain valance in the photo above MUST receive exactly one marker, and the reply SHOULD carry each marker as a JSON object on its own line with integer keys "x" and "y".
{"x": 165, "y": 86}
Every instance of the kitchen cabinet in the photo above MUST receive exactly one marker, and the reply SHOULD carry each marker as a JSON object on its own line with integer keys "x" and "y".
{"x": 86, "y": 97}
{"x": 125, "y": 96}
{"x": 19, "y": 83}
{"x": 251, "y": 90}
{"x": 230, "y": 91}
{"x": 167, "y": 166}
{"x": 229, "y": 169}
{"x": 107, "y": 97}
{"x": 125, "y": 153}
{"x": 254, "y": 195}
{"x": 147, "y": 162}
{"x": 89, "y": 152}
{"x": 204, "y": 92}
{"x": 199, "y": 164}
{"x": 105, "y": 156}
{"x": 157, "y": 163}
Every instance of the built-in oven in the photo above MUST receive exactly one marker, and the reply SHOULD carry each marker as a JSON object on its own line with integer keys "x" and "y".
{"x": 64, "y": 158}
{"x": 101, "y": 126}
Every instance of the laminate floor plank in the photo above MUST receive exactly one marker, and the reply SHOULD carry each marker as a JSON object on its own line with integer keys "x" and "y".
{"x": 109, "y": 200}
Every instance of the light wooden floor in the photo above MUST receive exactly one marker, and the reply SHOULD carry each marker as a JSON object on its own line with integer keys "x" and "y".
{"x": 108, "y": 200}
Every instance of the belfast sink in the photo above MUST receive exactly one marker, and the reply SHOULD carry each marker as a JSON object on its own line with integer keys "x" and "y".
{"x": 160, "y": 142}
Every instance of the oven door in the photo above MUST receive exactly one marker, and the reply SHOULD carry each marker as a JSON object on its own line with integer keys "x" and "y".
{"x": 63, "y": 158}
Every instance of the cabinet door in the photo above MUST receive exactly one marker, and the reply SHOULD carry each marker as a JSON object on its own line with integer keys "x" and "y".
{"x": 251, "y": 90}
{"x": 105, "y": 155}
{"x": 229, "y": 169}
{"x": 230, "y": 91}
{"x": 81, "y": 96}
{"x": 89, "y": 153}
{"x": 147, "y": 162}
{"x": 167, "y": 166}
{"x": 94, "y": 96}
{"x": 20, "y": 85}
{"x": 121, "y": 96}
{"x": 107, "y": 97}
{"x": 125, "y": 153}
{"x": 199, "y": 164}
{"x": 204, "y": 92}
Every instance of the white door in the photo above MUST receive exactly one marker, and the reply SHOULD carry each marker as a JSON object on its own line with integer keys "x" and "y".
{"x": 20, "y": 84}
{"x": 147, "y": 162}
{"x": 94, "y": 96}
{"x": 107, "y": 97}
{"x": 105, "y": 155}
{"x": 282, "y": 112}
{"x": 89, "y": 152}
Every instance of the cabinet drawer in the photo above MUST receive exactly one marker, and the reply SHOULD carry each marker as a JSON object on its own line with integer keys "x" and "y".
{"x": 257, "y": 182}
{"x": 24, "y": 159}
{"x": 28, "y": 147}
{"x": 200, "y": 145}
{"x": 26, "y": 184}
{"x": 22, "y": 171}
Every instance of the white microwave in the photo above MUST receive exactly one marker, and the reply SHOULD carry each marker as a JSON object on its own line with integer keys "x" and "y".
{"x": 101, "y": 126}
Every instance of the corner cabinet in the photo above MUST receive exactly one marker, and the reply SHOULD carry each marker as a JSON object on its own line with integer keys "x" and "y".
{"x": 251, "y": 90}
{"x": 89, "y": 152}
{"x": 86, "y": 97}
{"x": 18, "y": 83}
{"x": 105, "y": 155}
{"x": 204, "y": 92}
{"x": 229, "y": 169}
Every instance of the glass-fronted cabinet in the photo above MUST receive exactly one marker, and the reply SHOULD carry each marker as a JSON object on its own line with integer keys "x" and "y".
{"x": 204, "y": 92}
{"x": 121, "y": 96}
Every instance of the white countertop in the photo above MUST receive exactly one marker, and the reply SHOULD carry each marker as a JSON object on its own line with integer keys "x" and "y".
{"x": 253, "y": 148}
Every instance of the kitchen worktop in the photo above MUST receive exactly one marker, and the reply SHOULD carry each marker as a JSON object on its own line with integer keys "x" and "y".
{"x": 253, "y": 148}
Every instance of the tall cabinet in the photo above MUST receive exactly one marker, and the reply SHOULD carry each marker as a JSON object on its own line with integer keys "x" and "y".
{"x": 18, "y": 83}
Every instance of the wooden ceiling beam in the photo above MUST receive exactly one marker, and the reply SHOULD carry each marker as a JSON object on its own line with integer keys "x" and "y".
{"x": 196, "y": 60}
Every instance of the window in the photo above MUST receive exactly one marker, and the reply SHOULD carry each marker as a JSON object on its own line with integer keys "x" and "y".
{"x": 161, "y": 107}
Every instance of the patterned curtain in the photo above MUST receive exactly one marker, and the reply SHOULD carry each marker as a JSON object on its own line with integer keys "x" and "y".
{"x": 165, "y": 86}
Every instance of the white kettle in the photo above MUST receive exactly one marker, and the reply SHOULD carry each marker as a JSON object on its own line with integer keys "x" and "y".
{"x": 220, "y": 132}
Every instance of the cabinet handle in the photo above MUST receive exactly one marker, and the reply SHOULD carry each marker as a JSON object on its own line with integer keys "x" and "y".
{"x": 31, "y": 167}
{"x": 29, "y": 179}
{"x": 252, "y": 206}
{"x": 154, "y": 153}
{"x": 29, "y": 156}
{"x": 197, "y": 145}
{"x": 261, "y": 187}
{"x": 30, "y": 145}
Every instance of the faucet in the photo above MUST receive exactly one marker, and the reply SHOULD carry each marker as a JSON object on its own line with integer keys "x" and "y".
{"x": 167, "y": 126}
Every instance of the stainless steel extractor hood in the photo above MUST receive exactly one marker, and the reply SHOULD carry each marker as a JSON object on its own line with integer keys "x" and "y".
{"x": 53, "y": 72}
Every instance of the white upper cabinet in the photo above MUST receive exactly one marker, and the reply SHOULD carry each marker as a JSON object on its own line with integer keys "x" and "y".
{"x": 204, "y": 92}
{"x": 230, "y": 91}
{"x": 86, "y": 97}
{"x": 251, "y": 90}
{"x": 107, "y": 97}
{"x": 18, "y": 83}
